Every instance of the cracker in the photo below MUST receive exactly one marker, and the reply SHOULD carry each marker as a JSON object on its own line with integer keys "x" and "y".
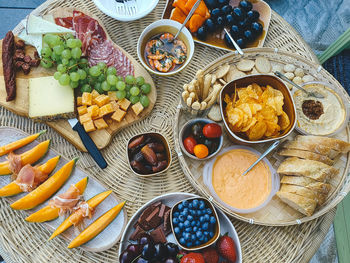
{"x": 234, "y": 74}
{"x": 308, "y": 78}
{"x": 298, "y": 80}
{"x": 254, "y": 71}
{"x": 289, "y": 75}
{"x": 214, "y": 113}
{"x": 263, "y": 65}
{"x": 277, "y": 67}
{"x": 289, "y": 68}
{"x": 299, "y": 72}
{"x": 245, "y": 65}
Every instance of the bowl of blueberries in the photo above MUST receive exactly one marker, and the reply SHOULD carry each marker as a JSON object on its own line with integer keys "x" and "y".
{"x": 194, "y": 223}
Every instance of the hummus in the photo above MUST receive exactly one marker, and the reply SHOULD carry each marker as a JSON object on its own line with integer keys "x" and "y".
{"x": 329, "y": 112}
{"x": 236, "y": 190}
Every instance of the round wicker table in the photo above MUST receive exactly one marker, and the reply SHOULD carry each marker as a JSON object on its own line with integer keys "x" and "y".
{"x": 24, "y": 242}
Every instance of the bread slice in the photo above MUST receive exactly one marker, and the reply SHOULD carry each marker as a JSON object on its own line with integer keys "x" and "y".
{"x": 312, "y": 147}
{"x": 306, "y": 155}
{"x": 335, "y": 144}
{"x": 303, "y": 191}
{"x": 302, "y": 204}
{"x": 309, "y": 168}
{"x": 307, "y": 182}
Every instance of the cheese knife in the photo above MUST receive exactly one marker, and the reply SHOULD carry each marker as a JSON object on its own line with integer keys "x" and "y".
{"x": 88, "y": 143}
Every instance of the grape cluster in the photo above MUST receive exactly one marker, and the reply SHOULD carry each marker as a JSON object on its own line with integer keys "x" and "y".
{"x": 73, "y": 70}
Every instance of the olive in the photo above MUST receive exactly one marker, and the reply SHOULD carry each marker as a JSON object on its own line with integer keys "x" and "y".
{"x": 197, "y": 130}
{"x": 248, "y": 35}
{"x": 238, "y": 13}
{"x": 256, "y": 28}
{"x": 220, "y": 22}
{"x": 245, "y": 24}
{"x": 202, "y": 33}
{"x": 241, "y": 42}
{"x": 230, "y": 20}
{"x": 209, "y": 24}
{"x": 253, "y": 15}
{"x": 211, "y": 144}
{"x": 216, "y": 12}
{"x": 227, "y": 9}
{"x": 246, "y": 5}
{"x": 228, "y": 41}
{"x": 235, "y": 31}
{"x": 211, "y": 4}
{"x": 223, "y": 2}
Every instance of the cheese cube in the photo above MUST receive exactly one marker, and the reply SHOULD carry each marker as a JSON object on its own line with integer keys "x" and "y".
{"x": 124, "y": 104}
{"x": 85, "y": 118}
{"x": 82, "y": 110}
{"x": 89, "y": 126}
{"x": 137, "y": 108}
{"x": 101, "y": 100}
{"x": 106, "y": 109}
{"x": 112, "y": 95}
{"x": 100, "y": 124}
{"x": 87, "y": 99}
{"x": 93, "y": 110}
{"x": 118, "y": 115}
{"x": 94, "y": 94}
{"x": 79, "y": 101}
{"x": 114, "y": 104}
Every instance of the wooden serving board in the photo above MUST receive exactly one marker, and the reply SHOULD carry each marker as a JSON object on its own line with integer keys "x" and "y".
{"x": 101, "y": 138}
{"x": 105, "y": 239}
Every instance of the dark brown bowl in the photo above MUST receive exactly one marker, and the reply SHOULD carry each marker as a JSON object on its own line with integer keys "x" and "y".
{"x": 261, "y": 80}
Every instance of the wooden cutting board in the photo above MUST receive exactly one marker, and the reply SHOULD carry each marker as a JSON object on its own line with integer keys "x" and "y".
{"x": 101, "y": 138}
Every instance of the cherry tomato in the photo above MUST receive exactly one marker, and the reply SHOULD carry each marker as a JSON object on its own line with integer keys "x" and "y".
{"x": 201, "y": 151}
{"x": 212, "y": 130}
{"x": 189, "y": 144}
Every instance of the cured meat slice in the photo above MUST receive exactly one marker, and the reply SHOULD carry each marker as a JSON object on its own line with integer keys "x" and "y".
{"x": 82, "y": 210}
{"x": 66, "y": 22}
{"x": 15, "y": 162}
{"x": 66, "y": 201}
{"x": 29, "y": 178}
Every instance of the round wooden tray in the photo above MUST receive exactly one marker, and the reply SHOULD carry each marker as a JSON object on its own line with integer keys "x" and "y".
{"x": 276, "y": 213}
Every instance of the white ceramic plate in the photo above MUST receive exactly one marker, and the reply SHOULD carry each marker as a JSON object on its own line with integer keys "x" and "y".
{"x": 109, "y": 8}
{"x": 105, "y": 239}
{"x": 171, "y": 199}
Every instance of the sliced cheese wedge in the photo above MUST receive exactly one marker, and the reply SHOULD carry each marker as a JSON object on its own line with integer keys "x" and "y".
{"x": 38, "y": 25}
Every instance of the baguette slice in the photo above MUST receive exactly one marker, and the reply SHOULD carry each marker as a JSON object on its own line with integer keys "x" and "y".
{"x": 306, "y": 155}
{"x": 305, "y": 192}
{"x": 313, "y": 169}
{"x": 308, "y": 183}
{"x": 312, "y": 147}
{"x": 302, "y": 204}
{"x": 335, "y": 144}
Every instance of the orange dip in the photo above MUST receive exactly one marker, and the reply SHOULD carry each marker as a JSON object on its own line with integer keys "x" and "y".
{"x": 236, "y": 190}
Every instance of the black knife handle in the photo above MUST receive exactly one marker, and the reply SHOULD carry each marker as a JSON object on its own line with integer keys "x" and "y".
{"x": 90, "y": 146}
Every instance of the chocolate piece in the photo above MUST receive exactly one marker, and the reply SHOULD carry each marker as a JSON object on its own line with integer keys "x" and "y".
{"x": 166, "y": 223}
{"x": 145, "y": 214}
{"x": 25, "y": 68}
{"x": 20, "y": 44}
{"x": 153, "y": 220}
{"x": 158, "y": 235}
{"x": 136, "y": 234}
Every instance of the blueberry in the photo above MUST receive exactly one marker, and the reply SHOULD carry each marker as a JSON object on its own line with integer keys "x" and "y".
{"x": 181, "y": 218}
{"x": 220, "y": 21}
{"x": 226, "y": 9}
{"x": 238, "y": 13}
{"x": 197, "y": 243}
{"x": 190, "y": 218}
{"x": 195, "y": 229}
{"x": 189, "y": 244}
{"x": 195, "y": 203}
{"x": 185, "y": 212}
{"x": 198, "y": 224}
{"x": 188, "y": 229}
{"x": 176, "y": 214}
{"x": 211, "y": 3}
{"x": 246, "y": 5}
{"x": 253, "y": 15}
{"x": 216, "y": 12}
{"x": 256, "y": 28}
{"x": 249, "y": 35}
{"x": 180, "y": 207}
{"x": 190, "y": 206}
{"x": 209, "y": 24}
{"x": 199, "y": 234}
{"x": 206, "y": 217}
{"x": 241, "y": 42}
{"x": 182, "y": 241}
{"x": 187, "y": 236}
{"x": 181, "y": 225}
{"x": 202, "y": 207}
{"x": 223, "y": 2}
{"x": 176, "y": 221}
{"x": 230, "y": 19}
{"x": 177, "y": 230}
{"x": 201, "y": 219}
{"x": 245, "y": 24}
{"x": 193, "y": 237}
{"x": 185, "y": 203}
{"x": 205, "y": 226}
{"x": 209, "y": 212}
{"x": 199, "y": 212}
{"x": 206, "y": 233}
{"x": 211, "y": 234}
{"x": 206, "y": 239}
{"x": 212, "y": 220}
{"x": 193, "y": 223}
{"x": 187, "y": 223}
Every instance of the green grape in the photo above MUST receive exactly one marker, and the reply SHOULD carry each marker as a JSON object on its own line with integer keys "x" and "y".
{"x": 144, "y": 101}
{"x": 140, "y": 81}
{"x": 83, "y": 81}
{"x": 68, "y": 36}
{"x": 72, "y": 62}
{"x": 76, "y": 52}
{"x": 146, "y": 88}
{"x": 134, "y": 91}
{"x": 105, "y": 86}
{"x": 71, "y": 43}
{"x": 121, "y": 94}
{"x": 55, "y": 57}
{"x": 112, "y": 80}
{"x": 46, "y": 52}
{"x": 46, "y": 63}
{"x": 111, "y": 71}
{"x": 101, "y": 78}
{"x": 101, "y": 65}
{"x": 64, "y": 79}
{"x": 93, "y": 81}
{"x": 134, "y": 99}
{"x": 128, "y": 95}
{"x": 74, "y": 76}
{"x": 61, "y": 68}
{"x": 73, "y": 84}
{"x": 82, "y": 73}
{"x": 47, "y": 38}
{"x": 83, "y": 62}
{"x": 120, "y": 85}
{"x": 54, "y": 40}
{"x": 94, "y": 71}
{"x": 129, "y": 79}
{"x": 65, "y": 61}
{"x": 113, "y": 88}
{"x": 58, "y": 49}
{"x": 98, "y": 88}
{"x": 57, "y": 75}
{"x": 120, "y": 78}
{"x": 128, "y": 87}
{"x": 86, "y": 88}
{"x": 78, "y": 42}
{"x": 66, "y": 54}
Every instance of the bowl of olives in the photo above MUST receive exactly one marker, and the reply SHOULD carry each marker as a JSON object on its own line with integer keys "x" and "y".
{"x": 200, "y": 138}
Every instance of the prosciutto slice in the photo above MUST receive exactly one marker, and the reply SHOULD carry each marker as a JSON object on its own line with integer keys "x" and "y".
{"x": 66, "y": 201}
{"x": 82, "y": 210}
{"x": 15, "y": 163}
{"x": 29, "y": 178}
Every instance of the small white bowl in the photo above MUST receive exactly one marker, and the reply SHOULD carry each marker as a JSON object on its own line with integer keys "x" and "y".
{"x": 158, "y": 27}
{"x": 109, "y": 8}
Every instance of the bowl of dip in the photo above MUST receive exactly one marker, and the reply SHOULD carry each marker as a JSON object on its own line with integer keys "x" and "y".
{"x": 316, "y": 116}
{"x": 241, "y": 194}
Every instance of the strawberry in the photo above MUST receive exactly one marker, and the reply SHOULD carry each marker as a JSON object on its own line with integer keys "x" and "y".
{"x": 193, "y": 258}
{"x": 210, "y": 255}
{"x": 226, "y": 248}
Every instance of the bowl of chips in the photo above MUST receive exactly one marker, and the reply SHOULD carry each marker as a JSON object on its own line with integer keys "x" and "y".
{"x": 257, "y": 109}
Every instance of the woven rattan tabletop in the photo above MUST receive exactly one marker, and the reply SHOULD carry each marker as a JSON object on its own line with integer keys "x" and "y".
{"x": 24, "y": 242}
